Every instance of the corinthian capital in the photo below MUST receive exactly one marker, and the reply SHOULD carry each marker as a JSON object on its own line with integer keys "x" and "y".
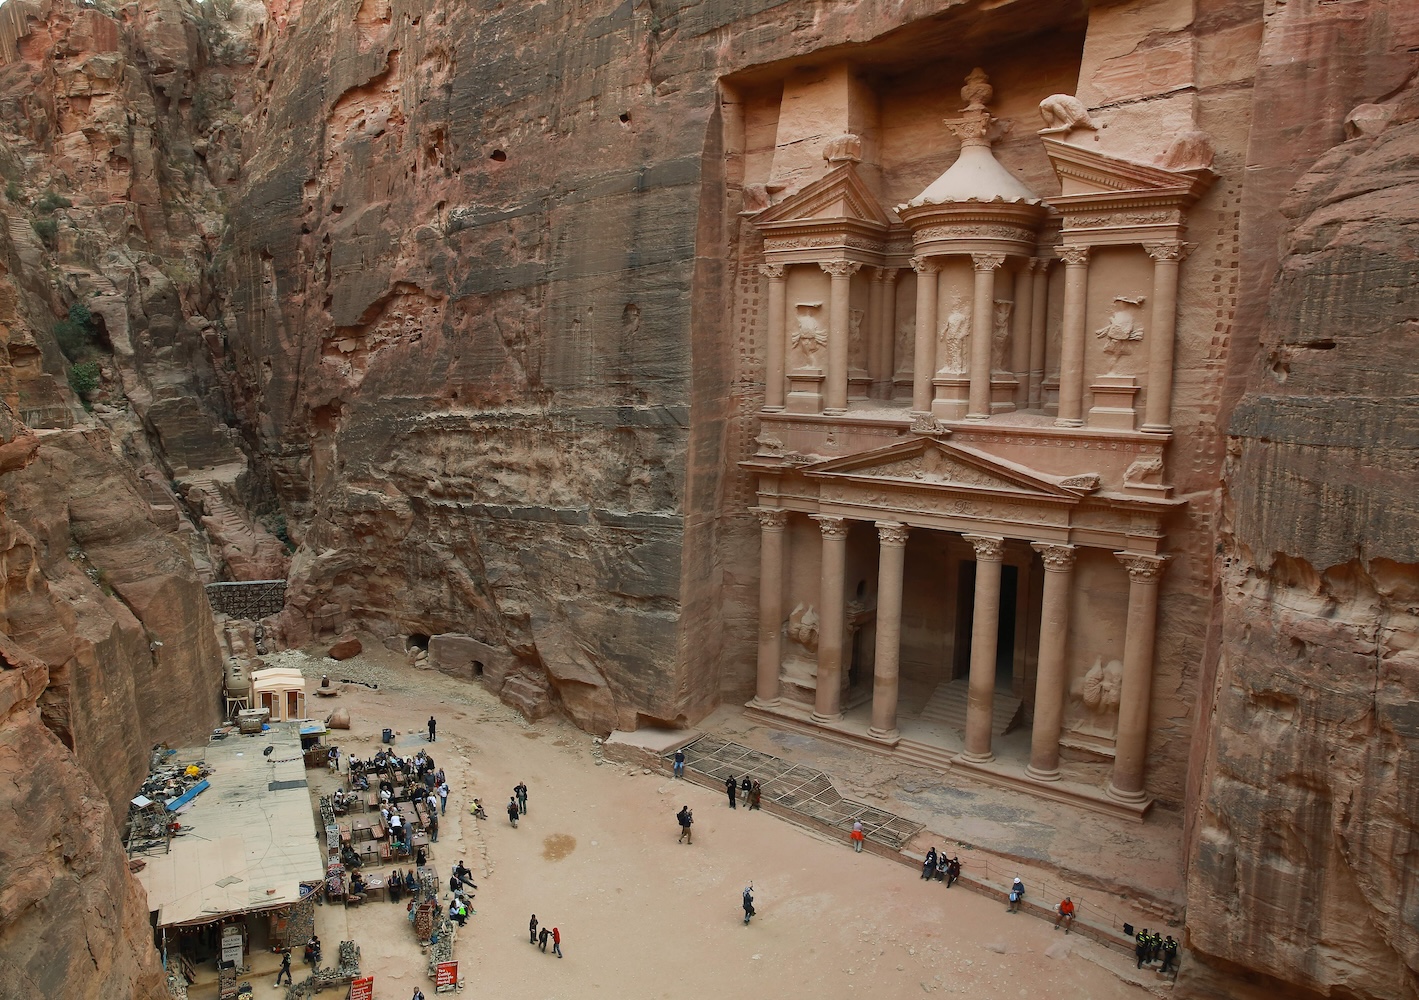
{"x": 771, "y": 270}
{"x": 840, "y": 268}
{"x": 1143, "y": 568}
{"x": 989, "y": 548}
{"x": 1055, "y": 557}
{"x": 892, "y": 532}
{"x": 1074, "y": 256}
{"x": 987, "y": 261}
{"x": 831, "y": 527}
{"x": 925, "y": 265}
{"x": 1166, "y": 250}
{"x": 772, "y": 518}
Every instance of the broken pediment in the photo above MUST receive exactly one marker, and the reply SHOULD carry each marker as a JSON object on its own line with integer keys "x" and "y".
{"x": 1108, "y": 200}
{"x": 1084, "y": 171}
{"x": 838, "y": 195}
{"x": 927, "y": 462}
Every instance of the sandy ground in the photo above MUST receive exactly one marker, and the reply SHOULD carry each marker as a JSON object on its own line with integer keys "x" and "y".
{"x": 642, "y": 916}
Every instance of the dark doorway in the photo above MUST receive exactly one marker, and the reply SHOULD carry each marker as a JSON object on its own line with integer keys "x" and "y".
{"x": 1005, "y": 631}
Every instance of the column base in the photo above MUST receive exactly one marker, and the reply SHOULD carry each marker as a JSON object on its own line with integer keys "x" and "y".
{"x": 977, "y": 416}
{"x": 1157, "y": 428}
{"x": 1039, "y": 775}
{"x": 1068, "y": 422}
{"x": 834, "y": 411}
{"x": 761, "y": 703}
{"x": 1114, "y": 792}
{"x": 772, "y": 409}
{"x": 826, "y": 720}
{"x": 892, "y": 736}
{"x": 977, "y": 758}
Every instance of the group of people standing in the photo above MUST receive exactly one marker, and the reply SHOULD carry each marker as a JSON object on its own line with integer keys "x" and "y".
{"x": 541, "y": 937}
{"x": 752, "y": 790}
{"x": 517, "y": 803}
{"x": 1152, "y": 948}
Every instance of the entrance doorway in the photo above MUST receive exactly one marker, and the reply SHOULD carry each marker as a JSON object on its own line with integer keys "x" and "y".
{"x": 1005, "y": 629}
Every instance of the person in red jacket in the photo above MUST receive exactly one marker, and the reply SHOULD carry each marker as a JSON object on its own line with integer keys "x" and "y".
{"x": 557, "y": 942}
{"x": 1066, "y": 914}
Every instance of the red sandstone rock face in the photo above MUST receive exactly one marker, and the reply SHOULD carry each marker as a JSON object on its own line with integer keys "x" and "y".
{"x": 1301, "y": 853}
{"x": 345, "y": 648}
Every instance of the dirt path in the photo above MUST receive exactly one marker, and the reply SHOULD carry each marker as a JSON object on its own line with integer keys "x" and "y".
{"x": 644, "y": 917}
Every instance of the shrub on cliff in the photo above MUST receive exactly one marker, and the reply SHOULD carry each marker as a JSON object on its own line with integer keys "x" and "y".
{"x": 84, "y": 378}
{"x": 77, "y": 335}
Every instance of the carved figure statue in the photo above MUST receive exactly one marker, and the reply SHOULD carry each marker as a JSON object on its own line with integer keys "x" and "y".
{"x": 1123, "y": 327}
{"x": 809, "y": 336}
{"x": 803, "y": 627}
{"x": 856, "y": 351}
{"x": 1102, "y": 685}
{"x": 1148, "y": 469}
{"x": 1000, "y": 335}
{"x": 906, "y": 346}
{"x": 954, "y": 340}
{"x": 1065, "y": 113}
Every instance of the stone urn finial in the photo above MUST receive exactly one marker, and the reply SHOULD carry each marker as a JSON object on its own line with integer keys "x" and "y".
{"x": 977, "y": 92}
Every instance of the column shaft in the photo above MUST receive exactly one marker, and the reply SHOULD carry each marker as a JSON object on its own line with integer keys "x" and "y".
{"x": 777, "y": 347}
{"x": 982, "y": 331}
{"x": 1136, "y": 690}
{"x": 771, "y": 541}
{"x": 980, "y": 704}
{"x": 1039, "y": 311}
{"x": 891, "y": 562}
{"x": 924, "y": 363}
{"x": 1071, "y": 352}
{"x": 887, "y": 332}
{"x": 1051, "y": 673}
{"x": 827, "y": 700}
{"x": 1158, "y": 412}
{"x": 873, "y": 324}
{"x": 839, "y": 307}
{"x": 1020, "y": 334}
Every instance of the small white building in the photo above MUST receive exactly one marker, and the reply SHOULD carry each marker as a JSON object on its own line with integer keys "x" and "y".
{"x": 281, "y": 690}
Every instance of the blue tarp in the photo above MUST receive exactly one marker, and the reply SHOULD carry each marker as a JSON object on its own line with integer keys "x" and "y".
{"x": 175, "y": 804}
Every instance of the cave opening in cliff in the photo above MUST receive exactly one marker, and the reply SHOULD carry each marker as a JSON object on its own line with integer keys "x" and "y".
{"x": 418, "y": 640}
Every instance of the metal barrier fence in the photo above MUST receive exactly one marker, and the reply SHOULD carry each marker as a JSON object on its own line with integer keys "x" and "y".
{"x": 250, "y": 599}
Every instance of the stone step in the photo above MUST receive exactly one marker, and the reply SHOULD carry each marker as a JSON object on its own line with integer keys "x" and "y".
{"x": 947, "y": 706}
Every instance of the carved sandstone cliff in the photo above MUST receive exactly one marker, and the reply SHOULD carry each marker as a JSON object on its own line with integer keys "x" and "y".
{"x": 1301, "y": 871}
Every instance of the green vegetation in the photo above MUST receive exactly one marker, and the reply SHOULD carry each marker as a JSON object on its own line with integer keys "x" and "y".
{"x": 49, "y": 203}
{"x": 47, "y": 230}
{"x": 13, "y": 192}
{"x": 78, "y": 335}
{"x": 84, "y": 377}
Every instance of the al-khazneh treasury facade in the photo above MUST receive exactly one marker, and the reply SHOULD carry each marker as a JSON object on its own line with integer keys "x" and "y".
{"x": 964, "y": 466}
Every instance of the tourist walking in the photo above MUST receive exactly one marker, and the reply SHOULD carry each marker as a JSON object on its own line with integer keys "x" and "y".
{"x": 542, "y": 937}
{"x": 532, "y": 929}
{"x": 512, "y": 810}
{"x": 557, "y": 942}
{"x": 433, "y": 827}
{"x": 857, "y": 836}
{"x": 285, "y": 969}
{"x": 679, "y": 763}
{"x": 520, "y": 790}
{"x": 443, "y": 796}
{"x": 1017, "y": 893}
{"x": 686, "y": 819}
{"x": 1065, "y": 914}
{"x": 433, "y": 725}
{"x": 748, "y": 902}
{"x": 731, "y": 786}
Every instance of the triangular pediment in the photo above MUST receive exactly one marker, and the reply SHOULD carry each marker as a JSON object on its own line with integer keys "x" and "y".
{"x": 927, "y": 462}
{"x": 1085, "y": 171}
{"x": 841, "y": 193}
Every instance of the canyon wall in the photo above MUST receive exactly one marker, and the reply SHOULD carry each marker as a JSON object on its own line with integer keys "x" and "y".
{"x": 1303, "y": 834}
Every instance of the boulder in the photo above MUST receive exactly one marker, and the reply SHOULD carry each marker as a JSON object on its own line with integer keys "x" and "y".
{"x": 338, "y": 719}
{"x": 346, "y": 648}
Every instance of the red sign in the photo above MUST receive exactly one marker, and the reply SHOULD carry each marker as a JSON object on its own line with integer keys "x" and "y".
{"x": 447, "y": 975}
{"x": 362, "y": 989}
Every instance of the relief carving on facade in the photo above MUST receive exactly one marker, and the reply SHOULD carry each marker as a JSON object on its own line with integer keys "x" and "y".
{"x": 1096, "y": 698}
{"x": 954, "y": 340}
{"x": 1000, "y": 335}
{"x": 857, "y": 348}
{"x": 802, "y": 628}
{"x": 1144, "y": 471}
{"x": 1063, "y": 113}
{"x": 1124, "y": 327}
{"x": 809, "y": 338}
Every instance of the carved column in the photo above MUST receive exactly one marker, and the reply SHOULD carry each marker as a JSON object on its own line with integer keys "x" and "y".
{"x": 1136, "y": 690}
{"x": 1071, "y": 349}
{"x": 1020, "y": 333}
{"x": 1051, "y": 674}
{"x": 980, "y": 704}
{"x": 886, "y": 319}
{"x": 778, "y": 319}
{"x": 1039, "y": 311}
{"x": 892, "y": 541}
{"x": 771, "y": 533}
{"x": 839, "y": 309}
{"x": 924, "y": 364}
{"x": 982, "y": 332}
{"x": 873, "y": 324}
{"x": 1167, "y": 256}
{"x": 827, "y": 700}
